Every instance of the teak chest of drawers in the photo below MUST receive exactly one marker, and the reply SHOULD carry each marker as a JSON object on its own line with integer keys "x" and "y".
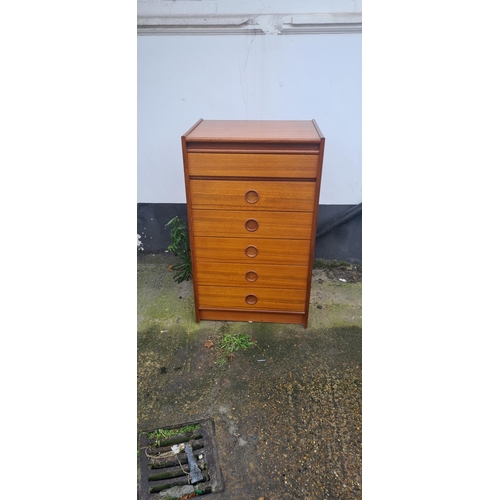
{"x": 252, "y": 190}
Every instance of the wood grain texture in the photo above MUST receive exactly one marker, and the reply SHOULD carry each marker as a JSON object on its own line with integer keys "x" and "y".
{"x": 315, "y": 214}
{"x": 190, "y": 222}
{"x": 272, "y": 195}
{"x": 252, "y": 190}
{"x": 231, "y": 224}
{"x": 254, "y": 316}
{"x": 270, "y": 251}
{"x": 268, "y": 298}
{"x": 254, "y": 131}
{"x": 252, "y": 147}
{"x": 252, "y": 165}
{"x": 263, "y": 275}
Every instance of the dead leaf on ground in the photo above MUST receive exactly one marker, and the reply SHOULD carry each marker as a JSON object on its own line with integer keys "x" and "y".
{"x": 209, "y": 343}
{"x": 170, "y": 267}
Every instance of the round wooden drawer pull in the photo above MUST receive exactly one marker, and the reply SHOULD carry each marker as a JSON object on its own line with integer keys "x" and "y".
{"x": 251, "y": 251}
{"x": 251, "y": 299}
{"x": 251, "y": 276}
{"x": 252, "y": 196}
{"x": 251, "y": 225}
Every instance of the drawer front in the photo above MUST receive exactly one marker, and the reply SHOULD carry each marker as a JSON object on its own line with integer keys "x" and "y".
{"x": 254, "y": 316}
{"x": 253, "y": 165}
{"x": 253, "y": 195}
{"x": 249, "y": 225}
{"x": 295, "y": 252}
{"x": 251, "y": 298}
{"x": 261, "y": 275}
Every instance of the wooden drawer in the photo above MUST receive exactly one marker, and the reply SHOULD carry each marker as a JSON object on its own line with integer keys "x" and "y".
{"x": 252, "y": 191}
{"x": 252, "y": 165}
{"x": 253, "y": 316}
{"x": 261, "y": 275}
{"x": 249, "y": 225}
{"x": 256, "y": 251}
{"x": 251, "y": 298}
{"x": 253, "y": 195}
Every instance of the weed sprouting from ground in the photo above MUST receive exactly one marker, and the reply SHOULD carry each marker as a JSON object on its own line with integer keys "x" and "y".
{"x": 160, "y": 435}
{"x": 231, "y": 343}
{"x": 180, "y": 248}
{"x": 234, "y": 342}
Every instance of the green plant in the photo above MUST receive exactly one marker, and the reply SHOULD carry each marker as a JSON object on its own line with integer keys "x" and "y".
{"x": 232, "y": 343}
{"x": 180, "y": 248}
{"x": 162, "y": 434}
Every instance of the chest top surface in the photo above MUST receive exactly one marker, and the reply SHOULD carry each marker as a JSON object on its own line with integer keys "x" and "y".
{"x": 254, "y": 131}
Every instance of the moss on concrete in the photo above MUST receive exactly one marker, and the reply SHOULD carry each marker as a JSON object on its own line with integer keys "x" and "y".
{"x": 284, "y": 424}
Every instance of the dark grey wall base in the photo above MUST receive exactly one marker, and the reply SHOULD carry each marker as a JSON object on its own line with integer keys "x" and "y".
{"x": 343, "y": 243}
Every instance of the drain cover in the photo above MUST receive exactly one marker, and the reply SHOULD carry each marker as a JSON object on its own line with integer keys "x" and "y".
{"x": 165, "y": 465}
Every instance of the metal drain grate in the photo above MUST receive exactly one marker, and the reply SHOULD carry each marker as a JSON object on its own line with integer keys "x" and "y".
{"x": 160, "y": 467}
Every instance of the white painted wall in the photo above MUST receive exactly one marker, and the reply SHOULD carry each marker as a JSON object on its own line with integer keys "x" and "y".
{"x": 264, "y": 77}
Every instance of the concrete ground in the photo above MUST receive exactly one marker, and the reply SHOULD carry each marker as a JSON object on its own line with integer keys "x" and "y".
{"x": 286, "y": 428}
